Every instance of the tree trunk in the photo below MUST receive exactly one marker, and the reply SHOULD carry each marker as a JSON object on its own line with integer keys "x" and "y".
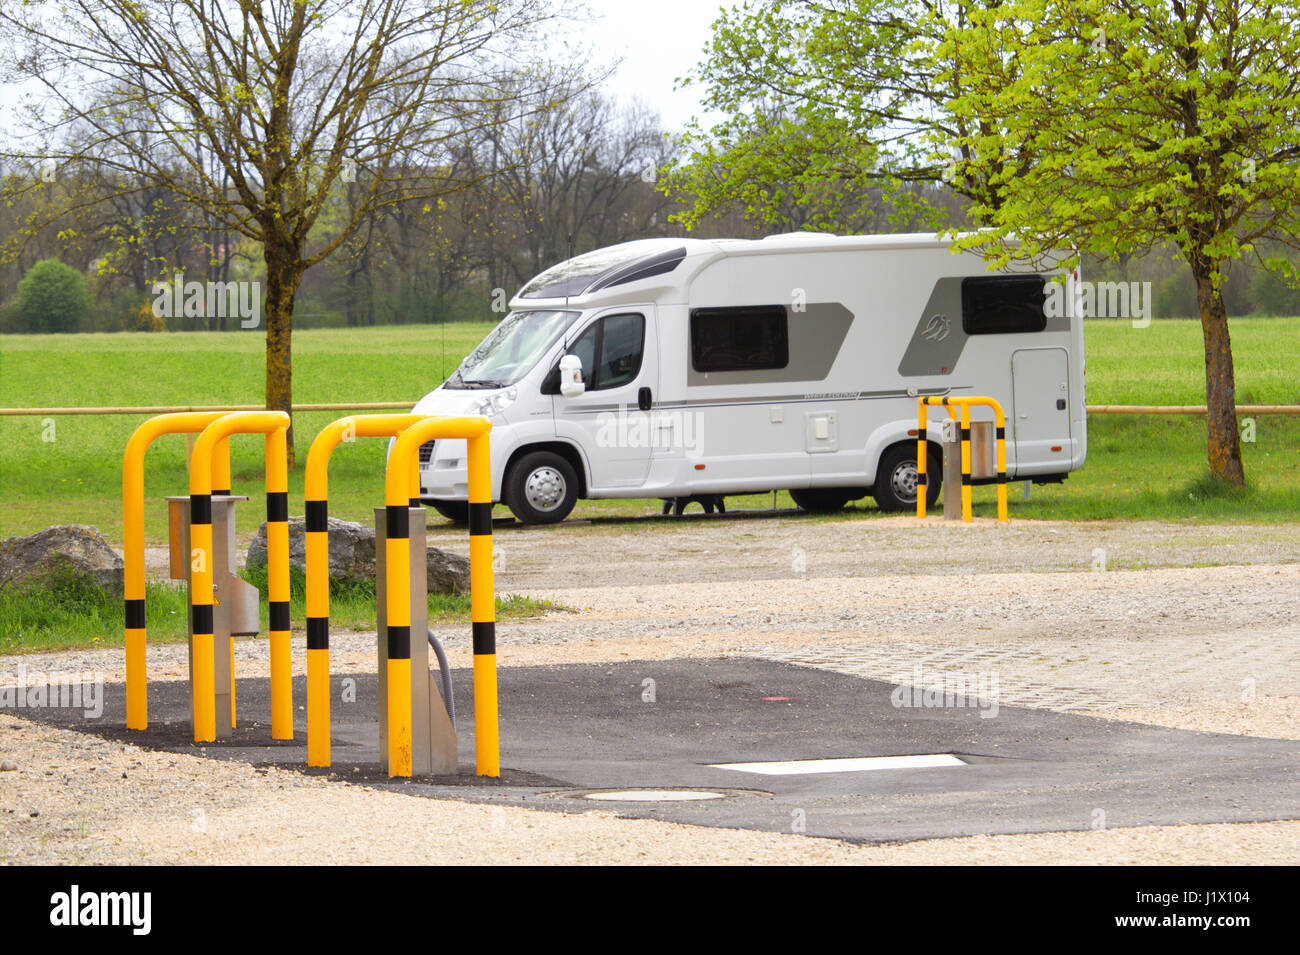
{"x": 283, "y": 273}
{"x": 1224, "y": 441}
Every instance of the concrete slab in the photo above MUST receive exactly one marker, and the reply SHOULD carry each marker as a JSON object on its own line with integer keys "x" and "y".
{"x": 566, "y": 730}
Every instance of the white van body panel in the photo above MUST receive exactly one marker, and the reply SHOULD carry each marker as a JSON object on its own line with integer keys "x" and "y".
{"x": 872, "y": 321}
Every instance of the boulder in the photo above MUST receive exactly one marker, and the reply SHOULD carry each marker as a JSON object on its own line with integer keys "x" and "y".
{"x": 352, "y": 555}
{"x": 75, "y": 550}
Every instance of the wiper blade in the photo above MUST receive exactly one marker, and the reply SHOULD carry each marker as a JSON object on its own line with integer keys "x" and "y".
{"x": 480, "y": 383}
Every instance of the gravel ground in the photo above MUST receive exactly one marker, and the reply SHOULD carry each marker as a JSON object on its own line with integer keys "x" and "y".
{"x": 80, "y": 800}
{"x": 1177, "y": 625}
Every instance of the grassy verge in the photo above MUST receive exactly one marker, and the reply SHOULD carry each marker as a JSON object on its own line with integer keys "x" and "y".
{"x": 68, "y": 469}
{"x": 68, "y": 614}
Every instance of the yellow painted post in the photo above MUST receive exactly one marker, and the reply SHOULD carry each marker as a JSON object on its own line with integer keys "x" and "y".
{"x": 487, "y": 749}
{"x": 203, "y": 687}
{"x": 137, "y": 696}
{"x": 277, "y": 583}
{"x": 921, "y": 456}
{"x": 1000, "y": 422}
{"x": 965, "y": 462}
{"x": 482, "y": 600}
{"x": 318, "y": 585}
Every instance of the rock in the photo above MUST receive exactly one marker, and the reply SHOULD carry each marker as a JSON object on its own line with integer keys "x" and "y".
{"x": 77, "y": 550}
{"x": 352, "y": 555}
{"x": 8, "y": 766}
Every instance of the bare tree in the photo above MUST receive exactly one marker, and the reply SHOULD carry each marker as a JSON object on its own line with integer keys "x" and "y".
{"x": 254, "y": 108}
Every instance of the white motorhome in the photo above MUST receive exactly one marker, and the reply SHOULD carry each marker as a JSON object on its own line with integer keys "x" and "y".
{"x": 678, "y": 367}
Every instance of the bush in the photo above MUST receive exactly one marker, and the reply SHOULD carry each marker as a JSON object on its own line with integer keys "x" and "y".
{"x": 52, "y": 297}
{"x": 1273, "y": 296}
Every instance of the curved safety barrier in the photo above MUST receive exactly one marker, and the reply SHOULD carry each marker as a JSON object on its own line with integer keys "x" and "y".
{"x": 273, "y": 424}
{"x": 137, "y": 696}
{"x": 474, "y": 430}
{"x": 963, "y": 404}
{"x": 318, "y": 561}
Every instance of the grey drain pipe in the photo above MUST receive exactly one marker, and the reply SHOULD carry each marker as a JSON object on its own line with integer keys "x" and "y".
{"x": 447, "y": 697}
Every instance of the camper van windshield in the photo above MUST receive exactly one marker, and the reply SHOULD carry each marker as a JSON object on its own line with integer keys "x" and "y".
{"x": 511, "y": 349}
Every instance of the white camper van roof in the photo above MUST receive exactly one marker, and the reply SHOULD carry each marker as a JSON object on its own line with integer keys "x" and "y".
{"x": 586, "y": 275}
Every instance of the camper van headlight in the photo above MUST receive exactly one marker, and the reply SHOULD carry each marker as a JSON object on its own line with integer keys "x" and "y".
{"x": 493, "y": 405}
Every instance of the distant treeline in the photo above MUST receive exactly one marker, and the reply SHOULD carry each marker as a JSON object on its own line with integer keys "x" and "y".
{"x": 522, "y": 195}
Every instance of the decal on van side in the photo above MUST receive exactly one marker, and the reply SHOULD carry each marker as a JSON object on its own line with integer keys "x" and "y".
{"x": 938, "y": 340}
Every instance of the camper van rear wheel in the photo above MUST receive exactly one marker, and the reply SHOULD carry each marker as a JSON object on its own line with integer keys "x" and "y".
{"x": 541, "y": 488}
{"x": 455, "y": 511}
{"x": 896, "y": 478}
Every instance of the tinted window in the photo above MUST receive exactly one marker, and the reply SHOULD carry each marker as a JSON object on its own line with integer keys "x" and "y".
{"x": 620, "y": 350}
{"x": 1002, "y": 305}
{"x": 610, "y": 350}
{"x": 748, "y": 338}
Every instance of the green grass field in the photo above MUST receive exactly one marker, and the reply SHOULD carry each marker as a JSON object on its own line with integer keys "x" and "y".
{"x": 68, "y": 469}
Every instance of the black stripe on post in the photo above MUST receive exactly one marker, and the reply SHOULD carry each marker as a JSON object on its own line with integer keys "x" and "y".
{"x": 201, "y": 510}
{"x": 397, "y": 521}
{"x": 416, "y": 502}
{"x": 279, "y": 614}
{"x": 480, "y": 518}
{"x": 224, "y": 492}
{"x": 399, "y": 643}
{"x": 1002, "y": 477}
{"x": 921, "y": 435}
{"x": 135, "y": 614}
{"x": 202, "y": 618}
{"x": 965, "y": 478}
{"x": 965, "y": 434}
{"x": 921, "y": 479}
{"x": 485, "y": 638}
{"x": 277, "y": 505}
{"x": 1001, "y": 434}
{"x": 318, "y": 633}
{"x": 318, "y": 517}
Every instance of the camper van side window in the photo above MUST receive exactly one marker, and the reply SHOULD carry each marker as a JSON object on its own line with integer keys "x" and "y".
{"x": 1002, "y": 305}
{"x": 610, "y": 350}
{"x": 746, "y": 338}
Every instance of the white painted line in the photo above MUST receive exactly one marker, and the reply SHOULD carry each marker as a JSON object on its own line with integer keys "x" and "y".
{"x": 653, "y": 795}
{"x": 853, "y": 764}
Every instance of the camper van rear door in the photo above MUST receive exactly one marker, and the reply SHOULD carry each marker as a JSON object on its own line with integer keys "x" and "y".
{"x": 1040, "y": 415}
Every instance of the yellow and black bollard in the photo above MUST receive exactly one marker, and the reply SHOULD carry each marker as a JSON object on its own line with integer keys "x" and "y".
{"x": 474, "y": 430}
{"x": 317, "y": 557}
{"x": 190, "y": 422}
{"x": 274, "y": 425}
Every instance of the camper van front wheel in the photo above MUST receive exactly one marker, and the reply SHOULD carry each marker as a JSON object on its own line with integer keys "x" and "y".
{"x": 896, "y": 478}
{"x": 541, "y": 488}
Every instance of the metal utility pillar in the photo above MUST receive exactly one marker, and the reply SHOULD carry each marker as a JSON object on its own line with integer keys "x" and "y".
{"x": 433, "y": 740}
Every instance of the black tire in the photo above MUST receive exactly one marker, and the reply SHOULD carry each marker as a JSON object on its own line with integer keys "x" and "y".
{"x": 825, "y": 500}
{"x": 455, "y": 511}
{"x": 534, "y": 481}
{"x": 897, "y": 473}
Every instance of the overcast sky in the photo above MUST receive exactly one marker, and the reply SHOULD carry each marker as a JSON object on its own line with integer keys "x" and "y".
{"x": 659, "y": 41}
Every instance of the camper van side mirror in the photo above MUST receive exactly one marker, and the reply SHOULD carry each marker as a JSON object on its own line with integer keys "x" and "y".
{"x": 571, "y": 383}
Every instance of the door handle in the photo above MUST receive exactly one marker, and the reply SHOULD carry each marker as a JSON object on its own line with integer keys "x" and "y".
{"x": 643, "y": 399}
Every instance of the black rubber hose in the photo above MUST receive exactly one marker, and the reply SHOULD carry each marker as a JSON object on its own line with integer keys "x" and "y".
{"x": 447, "y": 698}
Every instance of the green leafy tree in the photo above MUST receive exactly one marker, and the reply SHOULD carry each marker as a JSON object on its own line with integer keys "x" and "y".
{"x": 52, "y": 297}
{"x": 1149, "y": 122}
{"x": 824, "y": 106}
